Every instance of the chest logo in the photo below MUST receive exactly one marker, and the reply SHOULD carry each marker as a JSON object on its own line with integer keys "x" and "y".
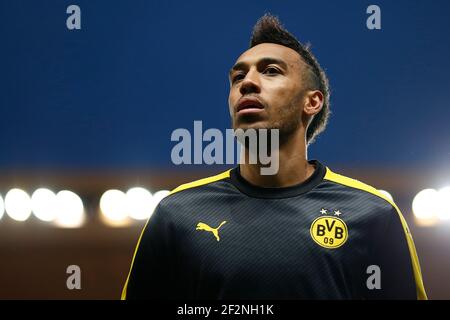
{"x": 329, "y": 231}
{"x": 205, "y": 227}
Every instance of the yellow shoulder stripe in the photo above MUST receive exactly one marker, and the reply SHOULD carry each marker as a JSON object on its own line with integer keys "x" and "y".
{"x": 185, "y": 186}
{"x": 331, "y": 176}
{"x": 203, "y": 181}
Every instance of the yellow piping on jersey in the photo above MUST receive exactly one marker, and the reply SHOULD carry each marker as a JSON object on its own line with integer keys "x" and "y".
{"x": 185, "y": 186}
{"x": 203, "y": 181}
{"x": 331, "y": 176}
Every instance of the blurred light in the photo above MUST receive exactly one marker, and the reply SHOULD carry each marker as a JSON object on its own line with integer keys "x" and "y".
{"x": 426, "y": 204}
{"x": 387, "y": 194}
{"x": 139, "y": 203}
{"x": 2, "y": 206}
{"x": 44, "y": 204}
{"x": 18, "y": 204}
{"x": 113, "y": 207}
{"x": 444, "y": 203}
{"x": 157, "y": 197}
{"x": 70, "y": 210}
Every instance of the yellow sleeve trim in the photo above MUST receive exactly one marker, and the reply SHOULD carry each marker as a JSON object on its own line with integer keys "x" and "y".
{"x": 185, "y": 186}
{"x": 203, "y": 181}
{"x": 124, "y": 290}
{"x": 420, "y": 289}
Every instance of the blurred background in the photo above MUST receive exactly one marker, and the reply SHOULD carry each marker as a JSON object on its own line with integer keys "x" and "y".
{"x": 87, "y": 115}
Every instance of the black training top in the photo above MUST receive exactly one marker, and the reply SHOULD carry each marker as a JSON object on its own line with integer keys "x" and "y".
{"x": 330, "y": 237}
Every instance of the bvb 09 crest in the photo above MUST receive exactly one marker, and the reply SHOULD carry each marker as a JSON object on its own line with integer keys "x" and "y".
{"x": 329, "y": 231}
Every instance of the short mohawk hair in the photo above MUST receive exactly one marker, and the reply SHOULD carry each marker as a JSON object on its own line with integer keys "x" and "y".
{"x": 268, "y": 29}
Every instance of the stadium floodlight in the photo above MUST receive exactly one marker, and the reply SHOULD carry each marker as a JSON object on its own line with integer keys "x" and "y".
{"x": 18, "y": 204}
{"x": 157, "y": 197}
{"x": 113, "y": 205}
{"x": 387, "y": 194}
{"x": 44, "y": 204}
{"x": 444, "y": 208}
{"x": 426, "y": 204}
{"x": 139, "y": 203}
{"x": 70, "y": 210}
{"x": 2, "y": 206}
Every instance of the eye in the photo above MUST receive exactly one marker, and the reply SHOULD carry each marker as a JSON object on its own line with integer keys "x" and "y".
{"x": 237, "y": 77}
{"x": 271, "y": 70}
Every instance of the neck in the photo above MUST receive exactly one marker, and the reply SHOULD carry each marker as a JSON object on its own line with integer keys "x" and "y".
{"x": 293, "y": 165}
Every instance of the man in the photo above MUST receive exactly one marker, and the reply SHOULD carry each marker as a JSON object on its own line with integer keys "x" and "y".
{"x": 302, "y": 233}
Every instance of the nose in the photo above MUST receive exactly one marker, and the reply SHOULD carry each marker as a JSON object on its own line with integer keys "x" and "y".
{"x": 250, "y": 84}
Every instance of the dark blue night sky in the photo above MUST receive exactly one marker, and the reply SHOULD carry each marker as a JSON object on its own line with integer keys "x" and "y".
{"x": 109, "y": 95}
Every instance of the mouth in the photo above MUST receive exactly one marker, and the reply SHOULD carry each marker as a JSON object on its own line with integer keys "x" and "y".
{"x": 249, "y": 105}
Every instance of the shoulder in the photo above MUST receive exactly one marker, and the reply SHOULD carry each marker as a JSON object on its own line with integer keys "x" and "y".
{"x": 202, "y": 182}
{"x": 184, "y": 203}
{"x": 362, "y": 192}
{"x": 199, "y": 189}
{"x": 376, "y": 205}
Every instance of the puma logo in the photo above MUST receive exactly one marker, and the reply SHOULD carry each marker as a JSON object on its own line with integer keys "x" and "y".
{"x": 215, "y": 231}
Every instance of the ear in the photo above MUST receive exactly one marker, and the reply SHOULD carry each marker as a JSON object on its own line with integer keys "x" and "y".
{"x": 313, "y": 103}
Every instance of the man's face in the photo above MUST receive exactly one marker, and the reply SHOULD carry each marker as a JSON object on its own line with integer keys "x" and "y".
{"x": 266, "y": 89}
